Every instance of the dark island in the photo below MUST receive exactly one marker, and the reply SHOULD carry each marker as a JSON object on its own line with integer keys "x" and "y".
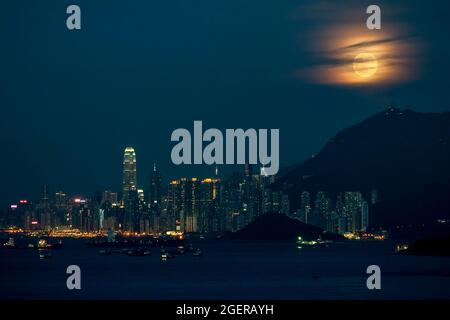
{"x": 279, "y": 227}
{"x": 431, "y": 246}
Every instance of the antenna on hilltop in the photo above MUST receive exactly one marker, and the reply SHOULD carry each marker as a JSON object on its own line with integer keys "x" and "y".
{"x": 391, "y": 105}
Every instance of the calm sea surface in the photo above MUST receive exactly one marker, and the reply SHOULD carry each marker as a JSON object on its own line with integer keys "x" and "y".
{"x": 228, "y": 270}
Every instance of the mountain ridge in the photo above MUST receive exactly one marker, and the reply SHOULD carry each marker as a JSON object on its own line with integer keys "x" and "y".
{"x": 403, "y": 154}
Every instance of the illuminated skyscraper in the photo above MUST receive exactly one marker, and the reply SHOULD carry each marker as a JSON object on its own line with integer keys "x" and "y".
{"x": 45, "y": 197}
{"x": 62, "y": 211}
{"x": 175, "y": 206}
{"x": 285, "y": 204}
{"x": 209, "y": 220}
{"x": 141, "y": 195}
{"x": 109, "y": 198}
{"x": 267, "y": 201}
{"x": 81, "y": 217}
{"x": 193, "y": 212}
{"x": 353, "y": 205}
{"x": 129, "y": 172}
{"x": 321, "y": 212}
{"x": 132, "y": 211}
{"x": 305, "y": 207}
{"x": 341, "y": 215}
{"x": 276, "y": 202}
{"x": 364, "y": 216}
{"x": 154, "y": 199}
{"x": 44, "y": 209}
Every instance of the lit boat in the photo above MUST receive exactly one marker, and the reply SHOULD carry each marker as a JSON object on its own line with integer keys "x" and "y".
{"x": 10, "y": 244}
{"x": 312, "y": 243}
{"x": 166, "y": 256}
{"x": 147, "y": 253}
{"x": 181, "y": 250}
{"x": 301, "y": 242}
{"x": 45, "y": 254}
{"x": 401, "y": 248}
{"x": 197, "y": 253}
{"x": 42, "y": 244}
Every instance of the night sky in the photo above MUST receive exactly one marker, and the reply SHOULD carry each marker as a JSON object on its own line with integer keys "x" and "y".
{"x": 71, "y": 101}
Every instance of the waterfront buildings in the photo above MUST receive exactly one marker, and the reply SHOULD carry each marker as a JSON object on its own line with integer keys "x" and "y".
{"x": 192, "y": 205}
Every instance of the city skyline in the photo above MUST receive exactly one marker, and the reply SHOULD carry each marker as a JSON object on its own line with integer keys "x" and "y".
{"x": 207, "y": 205}
{"x": 292, "y": 182}
{"x": 134, "y": 83}
{"x": 215, "y": 157}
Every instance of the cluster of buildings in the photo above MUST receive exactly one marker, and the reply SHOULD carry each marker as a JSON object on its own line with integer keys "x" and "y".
{"x": 186, "y": 204}
{"x": 191, "y": 204}
{"x": 349, "y": 213}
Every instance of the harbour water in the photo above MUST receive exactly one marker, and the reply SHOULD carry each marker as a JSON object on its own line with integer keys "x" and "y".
{"x": 227, "y": 270}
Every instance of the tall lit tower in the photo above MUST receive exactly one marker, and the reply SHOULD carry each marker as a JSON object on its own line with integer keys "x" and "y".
{"x": 305, "y": 208}
{"x": 129, "y": 171}
{"x": 155, "y": 189}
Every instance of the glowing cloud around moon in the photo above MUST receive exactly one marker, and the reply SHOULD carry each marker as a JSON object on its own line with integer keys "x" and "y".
{"x": 351, "y": 55}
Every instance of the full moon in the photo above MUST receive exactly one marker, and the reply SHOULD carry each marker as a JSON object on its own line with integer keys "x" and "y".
{"x": 365, "y": 65}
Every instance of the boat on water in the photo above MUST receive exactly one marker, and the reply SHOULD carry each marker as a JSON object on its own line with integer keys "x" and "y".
{"x": 312, "y": 243}
{"x": 197, "y": 253}
{"x": 139, "y": 252}
{"x": 10, "y": 243}
{"x": 105, "y": 252}
{"x": 166, "y": 256}
{"x": 32, "y": 243}
{"x": 44, "y": 254}
{"x": 43, "y": 244}
{"x": 121, "y": 251}
{"x": 401, "y": 248}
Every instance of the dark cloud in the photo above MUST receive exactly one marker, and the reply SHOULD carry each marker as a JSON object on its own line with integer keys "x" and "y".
{"x": 365, "y": 44}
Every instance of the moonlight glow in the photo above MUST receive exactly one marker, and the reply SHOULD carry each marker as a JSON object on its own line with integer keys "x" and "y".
{"x": 352, "y": 55}
{"x": 365, "y": 65}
